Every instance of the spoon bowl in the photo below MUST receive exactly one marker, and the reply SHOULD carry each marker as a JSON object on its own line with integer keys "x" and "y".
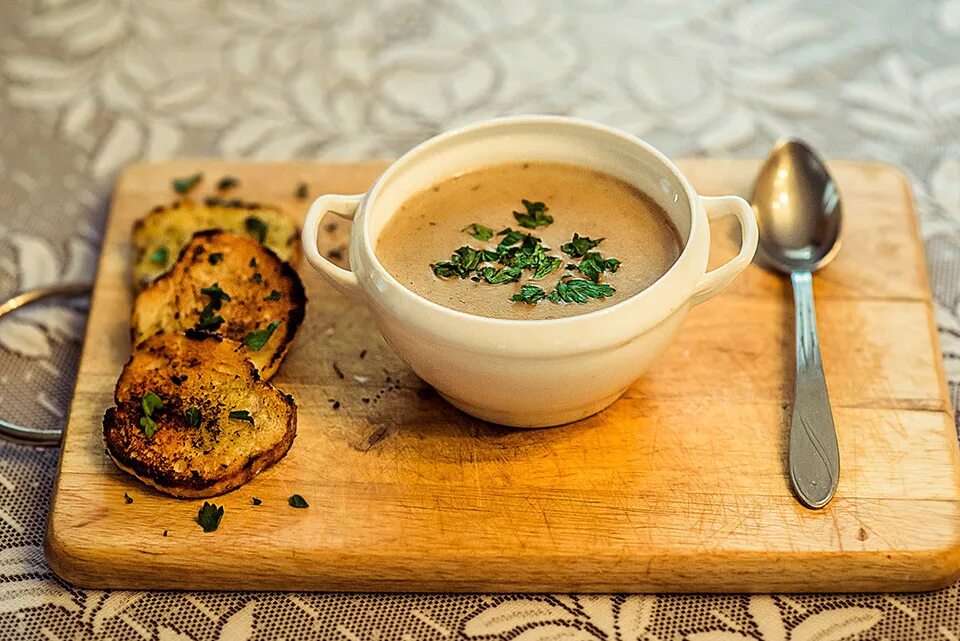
{"x": 798, "y": 209}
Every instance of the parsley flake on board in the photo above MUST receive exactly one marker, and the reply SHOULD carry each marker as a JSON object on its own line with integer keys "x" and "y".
{"x": 536, "y": 215}
{"x": 160, "y": 256}
{"x": 579, "y": 245}
{"x": 297, "y": 501}
{"x": 227, "y": 182}
{"x": 186, "y": 183}
{"x": 256, "y": 228}
{"x": 209, "y": 516}
{"x": 578, "y": 290}
{"x": 192, "y": 416}
{"x": 478, "y": 231}
{"x": 529, "y": 294}
{"x": 241, "y": 415}
{"x": 215, "y": 258}
{"x": 257, "y": 339}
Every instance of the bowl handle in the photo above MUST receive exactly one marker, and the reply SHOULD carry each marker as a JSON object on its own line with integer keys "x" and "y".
{"x": 345, "y": 207}
{"x": 716, "y": 280}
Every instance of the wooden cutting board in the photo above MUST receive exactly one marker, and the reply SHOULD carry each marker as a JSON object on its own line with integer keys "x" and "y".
{"x": 679, "y": 486}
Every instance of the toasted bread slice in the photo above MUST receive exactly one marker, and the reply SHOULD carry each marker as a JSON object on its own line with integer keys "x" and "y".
{"x": 160, "y": 235}
{"x": 196, "y": 449}
{"x": 260, "y": 298}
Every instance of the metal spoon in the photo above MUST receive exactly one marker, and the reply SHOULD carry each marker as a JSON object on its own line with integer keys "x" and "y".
{"x": 798, "y": 210}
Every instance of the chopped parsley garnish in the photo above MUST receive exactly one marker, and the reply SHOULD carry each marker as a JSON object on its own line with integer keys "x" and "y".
{"x": 256, "y": 228}
{"x": 510, "y": 237}
{"x": 241, "y": 415}
{"x": 274, "y": 295}
{"x": 209, "y": 516}
{"x": 578, "y": 290}
{"x": 227, "y": 182}
{"x": 253, "y": 262}
{"x": 255, "y": 500}
{"x": 536, "y": 215}
{"x": 217, "y": 295}
{"x": 192, "y": 416}
{"x": 297, "y": 501}
{"x": 160, "y": 256}
{"x": 258, "y": 278}
{"x": 547, "y": 265}
{"x": 208, "y": 320}
{"x": 499, "y": 276}
{"x": 302, "y": 191}
{"x": 478, "y": 231}
{"x": 186, "y": 183}
{"x": 593, "y": 265}
{"x": 215, "y": 257}
{"x": 461, "y": 263}
{"x": 150, "y": 403}
{"x": 148, "y": 425}
{"x": 579, "y": 246}
{"x": 257, "y": 339}
{"x": 530, "y": 294}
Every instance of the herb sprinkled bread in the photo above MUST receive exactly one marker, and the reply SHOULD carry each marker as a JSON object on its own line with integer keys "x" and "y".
{"x": 193, "y": 418}
{"x": 160, "y": 235}
{"x": 229, "y": 285}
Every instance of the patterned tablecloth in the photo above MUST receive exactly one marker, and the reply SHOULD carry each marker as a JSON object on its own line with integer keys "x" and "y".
{"x": 87, "y": 86}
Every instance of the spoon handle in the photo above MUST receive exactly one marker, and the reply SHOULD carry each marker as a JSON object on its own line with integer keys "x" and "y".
{"x": 814, "y": 457}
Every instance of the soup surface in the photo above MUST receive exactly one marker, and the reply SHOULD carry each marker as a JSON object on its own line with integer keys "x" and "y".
{"x": 451, "y": 244}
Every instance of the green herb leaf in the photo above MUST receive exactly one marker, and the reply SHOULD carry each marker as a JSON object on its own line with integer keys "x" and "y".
{"x": 227, "y": 182}
{"x": 215, "y": 258}
{"x": 478, "y": 231}
{"x": 487, "y": 255}
{"x": 274, "y": 295}
{"x": 208, "y": 320}
{"x": 578, "y": 290}
{"x": 302, "y": 191}
{"x": 510, "y": 237}
{"x": 217, "y": 295}
{"x": 186, "y": 183}
{"x": 461, "y": 263}
{"x": 148, "y": 426}
{"x": 256, "y": 228}
{"x": 499, "y": 276}
{"x": 241, "y": 415}
{"x": 151, "y": 402}
{"x": 529, "y": 294}
{"x": 546, "y": 265}
{"x": 536, "y": 215}
{"x": 160, "y": 256}
{"x": 209, "y": 516}
{"x": 593, "y": 265}
{"x": 297, "y": 501}
{"x": 579, "y": 246}
{"x": 192, "y": 416}
{"x": 256, "y": 340}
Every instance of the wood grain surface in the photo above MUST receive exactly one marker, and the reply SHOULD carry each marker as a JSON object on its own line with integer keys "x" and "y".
{"x": 679, "y": 486}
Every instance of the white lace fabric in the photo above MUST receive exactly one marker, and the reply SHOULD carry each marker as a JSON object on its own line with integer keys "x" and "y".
{"x": 88, "y": 86}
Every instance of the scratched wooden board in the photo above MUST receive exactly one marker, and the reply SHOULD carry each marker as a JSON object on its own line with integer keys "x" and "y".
{"x": 679, "y": 486}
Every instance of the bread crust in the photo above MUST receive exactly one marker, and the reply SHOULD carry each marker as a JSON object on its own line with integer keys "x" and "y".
{"x": 249, "y": 273}
{"x": 169, "y": 228}
{"x": 209, "y": 373}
